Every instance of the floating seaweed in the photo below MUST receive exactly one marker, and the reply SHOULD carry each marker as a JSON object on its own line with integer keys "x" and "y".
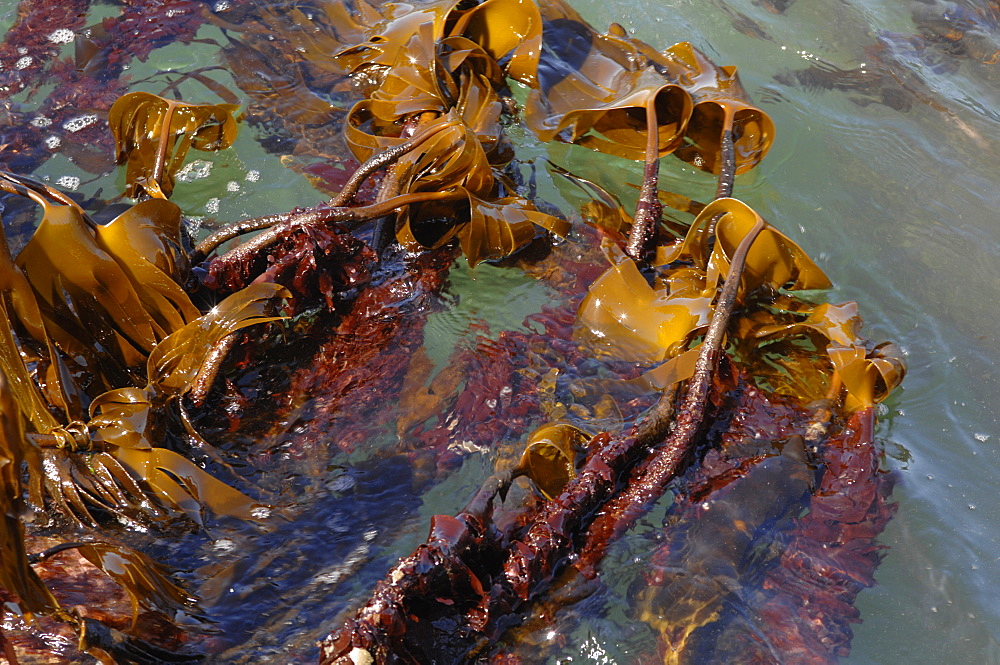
{"x": 688, "y": 351}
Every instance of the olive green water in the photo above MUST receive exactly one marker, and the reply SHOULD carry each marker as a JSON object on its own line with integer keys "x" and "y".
{"x": 893, "y": 189}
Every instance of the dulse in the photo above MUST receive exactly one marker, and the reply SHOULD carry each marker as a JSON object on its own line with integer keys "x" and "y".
{"x": 153, "y": 386}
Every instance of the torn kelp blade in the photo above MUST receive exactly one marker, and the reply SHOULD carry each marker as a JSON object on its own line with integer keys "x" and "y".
{"x": 146, "y": 581}
{"x": 127, "y": 422}
{"x": 153, "y": 135}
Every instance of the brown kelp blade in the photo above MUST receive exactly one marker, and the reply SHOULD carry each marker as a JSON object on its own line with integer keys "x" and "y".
{"x": 551, "y": 457}
{"x": 720, "y": 105}
{"x": 19, "y": 310}
{"x": 145, "y": 242}
{"x": 174, "y": 363}
{"x": 16, "y": 574}
{"x": 113, "y": 286}
{"x": 153, "y": 135}
{"x": 72, "y": 274}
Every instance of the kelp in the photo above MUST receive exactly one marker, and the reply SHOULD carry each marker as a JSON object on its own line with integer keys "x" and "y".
{"x": 153, "y": 136}
{"x": 92, "y": 312}
{"x": 652, "y": 351}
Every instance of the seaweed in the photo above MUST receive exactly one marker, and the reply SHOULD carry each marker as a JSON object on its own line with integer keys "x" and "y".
{"x": 665, "y": 334}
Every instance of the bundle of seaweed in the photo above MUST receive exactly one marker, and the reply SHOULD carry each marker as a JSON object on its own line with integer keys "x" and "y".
{"x": 669, "y": 335}
{"x": 100, "y": 344}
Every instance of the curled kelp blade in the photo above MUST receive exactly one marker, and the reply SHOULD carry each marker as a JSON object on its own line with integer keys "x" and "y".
{"x": 500, "y": 227}
{"x": 868, "y": 373}
{"x": 597, "y": 90}
{"x": 127, "y": 423}
{"x": 486, "y": 229}
{"x": 720, "y": 104}
{"x": 551, "y": 457}
{"x": 510, "y": 31}
{"x": 622, "y": 315}
{"x": 153, "y": 135}
{"x": 493, "y": 229}
{"x": 16, "y": 575}
{"x": 390, "y": 37}
{"x": 868, "y": 377}
{"x": 773, "y": 258}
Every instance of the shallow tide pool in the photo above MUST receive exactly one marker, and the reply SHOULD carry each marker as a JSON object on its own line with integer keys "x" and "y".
{"x": 884, "y": 169}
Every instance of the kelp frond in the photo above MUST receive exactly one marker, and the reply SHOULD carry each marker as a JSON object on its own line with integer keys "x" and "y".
{"x": 153, "y": 135}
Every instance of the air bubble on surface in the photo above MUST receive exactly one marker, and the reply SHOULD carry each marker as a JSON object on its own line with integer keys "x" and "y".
{"x": 62, "y": 36}
{"x": 80, "y": 122}
{"x": 70, "y": 182}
